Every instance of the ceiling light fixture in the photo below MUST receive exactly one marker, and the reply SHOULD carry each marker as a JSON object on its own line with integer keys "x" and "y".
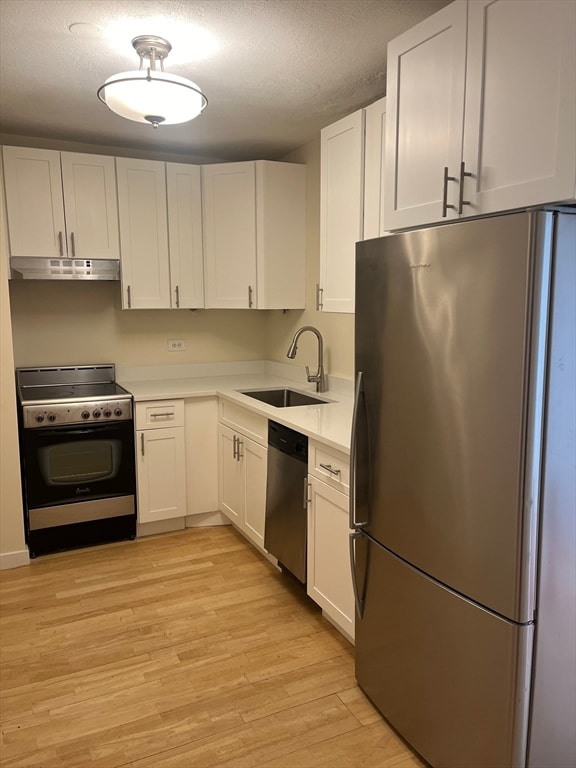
{"x": 149, "y": 95}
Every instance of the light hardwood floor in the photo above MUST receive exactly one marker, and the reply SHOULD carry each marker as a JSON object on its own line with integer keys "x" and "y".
{"x": 180, "y": 650}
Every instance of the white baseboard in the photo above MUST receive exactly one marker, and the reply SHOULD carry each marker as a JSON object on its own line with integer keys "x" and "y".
{"x": 14, "y": 559}
{"x": 159, "y": 526}
{"x": 206, "y": 519}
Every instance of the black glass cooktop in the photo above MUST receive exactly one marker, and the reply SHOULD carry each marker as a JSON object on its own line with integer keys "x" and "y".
{"x": 71, "y": 392}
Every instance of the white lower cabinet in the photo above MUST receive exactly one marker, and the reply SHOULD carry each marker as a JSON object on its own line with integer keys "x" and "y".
{"x": 160, "y": 460}
{"x": 329, "y": 573}
{"x": 242, "y": 484}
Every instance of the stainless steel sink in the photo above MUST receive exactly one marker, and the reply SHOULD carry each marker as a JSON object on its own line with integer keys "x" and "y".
{"x": 283, "y": 397}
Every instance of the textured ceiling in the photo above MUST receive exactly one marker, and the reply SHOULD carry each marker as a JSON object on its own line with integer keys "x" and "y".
{"x": 278, "y": 71}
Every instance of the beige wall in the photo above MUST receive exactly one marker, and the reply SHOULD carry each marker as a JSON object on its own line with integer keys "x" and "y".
{"x": 66, "y": 323}
{"x": 12, "y": 546}
{"x": 336, "y": 329}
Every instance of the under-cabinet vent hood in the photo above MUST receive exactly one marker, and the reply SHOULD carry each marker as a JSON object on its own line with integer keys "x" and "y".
{"x": 33, "y": 268}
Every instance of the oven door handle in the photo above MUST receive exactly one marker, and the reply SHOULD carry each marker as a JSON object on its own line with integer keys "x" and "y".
{"x": 60, "y": 431}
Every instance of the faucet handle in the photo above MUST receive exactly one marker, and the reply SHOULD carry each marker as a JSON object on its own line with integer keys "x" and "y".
{"x": 311, "y": 377}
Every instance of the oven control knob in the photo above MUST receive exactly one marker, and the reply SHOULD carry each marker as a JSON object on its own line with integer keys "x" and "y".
{"x": 51, "y": 417}
{"x": 39, "y": 418}
{"x": 107, "y": 413}
{"x": 117, "y": 411}
{"x": 96, "y": 414}
{"x": 85, "y": 414}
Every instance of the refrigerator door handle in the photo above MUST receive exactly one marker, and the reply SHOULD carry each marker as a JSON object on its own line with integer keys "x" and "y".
{"x": 353, "y": 452}
{"x": 353, "y": 439}
{"x": 358, "y": 600}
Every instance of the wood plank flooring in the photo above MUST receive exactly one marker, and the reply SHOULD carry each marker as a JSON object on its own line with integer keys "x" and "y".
{"x": 186, "y": 649}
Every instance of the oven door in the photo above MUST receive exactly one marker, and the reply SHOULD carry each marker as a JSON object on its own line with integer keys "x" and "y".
{"x": 67, "y": 465}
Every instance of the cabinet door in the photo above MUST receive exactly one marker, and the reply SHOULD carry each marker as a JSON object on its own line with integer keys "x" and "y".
{"x": 34, "y": 203}
{"x": 374, "y": 153}
{"x": 161, "y": 474}
{"x": 91, "y": 206}
{"x": 425, "y": 108}
{"x": 255, "y": 460}
{"x": 520, "y": 118}
{"x": 280, "y": 235}
{"x": 341, "y": 210}
{"x": 143, "y": 234}
{"x": 183, "y": 185}
{"x": 231, "y": 476}
{"x": 229, "y": 217}
{"x": 329, "y": 574}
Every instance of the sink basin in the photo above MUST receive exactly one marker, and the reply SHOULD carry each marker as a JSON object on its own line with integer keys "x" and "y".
{"x": 284, "y": 398}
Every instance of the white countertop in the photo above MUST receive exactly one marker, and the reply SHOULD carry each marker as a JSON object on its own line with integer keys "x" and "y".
{"x": 330, "y": 423}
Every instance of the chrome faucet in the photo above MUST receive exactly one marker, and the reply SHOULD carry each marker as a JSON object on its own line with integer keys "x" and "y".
{"x": 319, "y": 377}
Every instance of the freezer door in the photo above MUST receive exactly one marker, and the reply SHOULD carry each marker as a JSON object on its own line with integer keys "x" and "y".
{"x": 444, "y": 343}
{"x": 451, "y": 677}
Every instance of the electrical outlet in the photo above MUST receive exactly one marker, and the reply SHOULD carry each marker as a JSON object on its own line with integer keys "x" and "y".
{"x": 176, "y": 345}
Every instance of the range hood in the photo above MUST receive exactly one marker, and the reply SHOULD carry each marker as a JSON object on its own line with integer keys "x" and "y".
{"x": 36, "y": 268}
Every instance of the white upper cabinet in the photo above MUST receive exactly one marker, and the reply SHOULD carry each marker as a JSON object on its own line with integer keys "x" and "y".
{"x": 161, "y": 234}
{"x": 351, "y": 200}
{"x": 425, "y": 107}
{"x": 143, "y": 234}
{"x": 341, "y": 210}
{"x": 229, "y": 197}
{"x": 481, "y": 111}
{"x": 254, "y": 235}
{"x": 61, "y": 204}
{"x": 520, "y": 115}
{"x": 184, "y": 194}
{"x": 374, "y": 154}
{"x": 90, "y": 204}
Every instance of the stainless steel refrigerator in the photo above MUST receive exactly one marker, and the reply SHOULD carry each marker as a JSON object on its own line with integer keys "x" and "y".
{"x": 463, "y": 488}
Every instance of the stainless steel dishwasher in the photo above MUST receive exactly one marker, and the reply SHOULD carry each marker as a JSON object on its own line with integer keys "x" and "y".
{"x": 286, "y": 498}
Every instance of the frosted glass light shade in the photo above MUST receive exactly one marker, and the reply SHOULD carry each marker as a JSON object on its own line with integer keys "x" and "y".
{"x": 152, "y": 97}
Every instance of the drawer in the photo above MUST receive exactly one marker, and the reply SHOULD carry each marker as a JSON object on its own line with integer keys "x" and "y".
{"x": 249, "y": 423}
{"x": 329, "y": 465}
{"x": 155, "y": 414}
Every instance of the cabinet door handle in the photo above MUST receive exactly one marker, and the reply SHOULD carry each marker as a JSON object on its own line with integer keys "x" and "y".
{"x": 234, "y": 438}
{"x": 61, "y": 243}
{"x": 240, "y": 444}
{"x": 142, "y": 442}
{"x": 306, "y": 499}
{"x": 328, "y": 468}
{"x": 250, "y": 301}
{"x": 319, "y": 297}
{"x": 177, "y": 296}
{"x": 73, "y": 244}
{"x": 463, "y": 174}
{"x": 129, "y": 294}
{"x": 445, "y": 205}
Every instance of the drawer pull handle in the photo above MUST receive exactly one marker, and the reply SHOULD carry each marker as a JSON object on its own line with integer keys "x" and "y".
{"x": 170, "y": 414}
{"x": 329, "y": 468}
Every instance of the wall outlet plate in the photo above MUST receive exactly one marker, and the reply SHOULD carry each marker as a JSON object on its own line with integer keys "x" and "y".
{"x": 176, "y": 345}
